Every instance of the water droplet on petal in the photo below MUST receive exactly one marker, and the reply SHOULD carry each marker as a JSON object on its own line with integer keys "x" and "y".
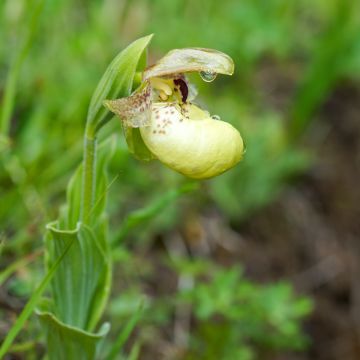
{"x": 208, "y": 76}
{"x": 216, "y": 117}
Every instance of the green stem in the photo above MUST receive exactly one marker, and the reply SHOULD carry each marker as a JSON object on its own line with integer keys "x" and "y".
{"x": 89, "y": 175}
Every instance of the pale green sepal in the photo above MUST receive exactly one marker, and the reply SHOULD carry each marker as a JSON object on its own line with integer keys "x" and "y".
{"x": 179, "y": 61}
{"x": 65, "y": 342}
{"x": 136, "y": 144}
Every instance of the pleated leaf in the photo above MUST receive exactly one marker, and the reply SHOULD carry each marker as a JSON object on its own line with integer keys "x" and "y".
{"x": 66, "y": 342}
{"x": 81, "y": 280}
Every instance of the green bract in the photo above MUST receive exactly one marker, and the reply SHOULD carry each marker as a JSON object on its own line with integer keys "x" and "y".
{"x": 174, "y": 130}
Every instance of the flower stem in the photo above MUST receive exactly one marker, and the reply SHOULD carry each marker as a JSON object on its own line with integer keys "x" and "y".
{"x": 89, "y": 174}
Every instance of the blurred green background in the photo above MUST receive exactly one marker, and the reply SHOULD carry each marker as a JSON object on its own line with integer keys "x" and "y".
{"x": 228, "y": 268}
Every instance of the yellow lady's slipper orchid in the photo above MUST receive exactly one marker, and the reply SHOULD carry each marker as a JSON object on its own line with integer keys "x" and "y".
{"x": 177, "y": 132}
{"x": 190, "y": 141}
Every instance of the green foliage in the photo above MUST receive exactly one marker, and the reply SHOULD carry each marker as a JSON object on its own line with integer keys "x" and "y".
{"x": 32, "y": 303}
{"x": 17, "y": 62}
{"x": 141, "y": 216}
{"x": 330, "y": 62}
{"x": 8, "y": 271}
{"x": 232, "y": 317}
{"x": 265, "y": 315}
{"x": 52, "y": 54}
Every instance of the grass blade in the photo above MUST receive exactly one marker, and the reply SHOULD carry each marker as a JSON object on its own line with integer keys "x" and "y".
{"x": 135, "y": 351}
{"x": 4, "y": 274}
{"x": 12, "y": 78}
{"x": 29, "y": 307}
{"x": 145, "y": 214}
{"x": 125, "y": 333}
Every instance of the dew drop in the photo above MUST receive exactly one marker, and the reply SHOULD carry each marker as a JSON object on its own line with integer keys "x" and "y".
{"x": 208, "y": 76}
{"x": 216, "y": 117}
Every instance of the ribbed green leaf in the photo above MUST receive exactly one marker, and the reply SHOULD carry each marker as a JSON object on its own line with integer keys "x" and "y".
{"x": 65, "y": 342}
{"x": 82, "y": 278}
{"x": 80, "y": 287}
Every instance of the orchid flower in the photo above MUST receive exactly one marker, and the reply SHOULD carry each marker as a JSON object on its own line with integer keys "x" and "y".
{"x": 172, "y": 128}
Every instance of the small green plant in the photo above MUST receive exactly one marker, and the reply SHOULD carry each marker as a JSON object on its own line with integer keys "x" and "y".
{"x": 78, "y": 256}
{"x": 82, "y": 283}
{"x": 292, "y": 56}
{"x": 217, "y": 313}
{"x": 253, "y": 318}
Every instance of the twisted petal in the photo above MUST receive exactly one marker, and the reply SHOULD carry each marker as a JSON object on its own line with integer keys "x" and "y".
{"x": 135, "y": 110}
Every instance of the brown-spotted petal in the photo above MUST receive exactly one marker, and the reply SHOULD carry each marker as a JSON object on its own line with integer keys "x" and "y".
{"x": 179, "y": 61}
{"x": 135, "y": 110}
